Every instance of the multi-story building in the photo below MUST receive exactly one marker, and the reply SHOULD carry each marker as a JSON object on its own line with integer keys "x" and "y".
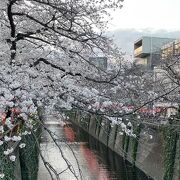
{"x": 163, "y": 83}
{"x": 147, "y": 51}
{"x": 166, "y": 78}
{"x": 170, "y": 49}
{"x": 150, "y": 53}
{"x": 169, "y": 52}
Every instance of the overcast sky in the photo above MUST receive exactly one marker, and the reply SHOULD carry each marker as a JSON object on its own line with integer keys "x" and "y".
{"x": 140, "y": 14}
{"x": 145, "y": 17}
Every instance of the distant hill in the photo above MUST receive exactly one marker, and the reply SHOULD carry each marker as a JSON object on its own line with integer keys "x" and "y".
{"x": 125, "y": 38}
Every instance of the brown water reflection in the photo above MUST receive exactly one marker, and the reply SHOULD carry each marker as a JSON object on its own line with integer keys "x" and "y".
{"x": 96, "y": 161}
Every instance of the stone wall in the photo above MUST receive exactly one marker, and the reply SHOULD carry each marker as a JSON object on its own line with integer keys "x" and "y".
{"x": 149, "y": 152}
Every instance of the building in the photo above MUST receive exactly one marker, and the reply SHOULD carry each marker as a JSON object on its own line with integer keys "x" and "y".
{"x": 147, "y": 51}
{"x": 170, "y": 49}
{"x": 163, "y": 82}
{"x": 100, "y": 62}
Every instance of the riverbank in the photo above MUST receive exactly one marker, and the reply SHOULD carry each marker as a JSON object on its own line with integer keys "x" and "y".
{"x": 154, "y": 151}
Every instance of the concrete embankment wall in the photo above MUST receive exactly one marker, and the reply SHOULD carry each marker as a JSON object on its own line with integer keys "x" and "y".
{"x": 155, "y": 151}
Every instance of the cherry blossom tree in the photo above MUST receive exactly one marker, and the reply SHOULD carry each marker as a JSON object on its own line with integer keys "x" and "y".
{"x": 44, "y": 59}
{"x": 45, "y": 46}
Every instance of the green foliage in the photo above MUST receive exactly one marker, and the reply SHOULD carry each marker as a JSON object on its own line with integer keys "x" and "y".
{"x": 178, "y": 113}
{"x": 6, "y": 165}
{"x": 123, "y": 140}
{"x": 137, "y": 131}
{"x": 98, "y": 125}
{"x": 85, "y": 121}
{"x": 115, "y": 136}
{"x": 29, "y": 156}
{"x": 125, "y": 143}
{"x": 29, "y": 159}
{"x": 71, "y": 114}
{"x": 170, "y": 139}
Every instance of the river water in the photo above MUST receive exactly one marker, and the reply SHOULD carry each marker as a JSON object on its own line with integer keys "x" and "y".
{"x": 87, "y": 158}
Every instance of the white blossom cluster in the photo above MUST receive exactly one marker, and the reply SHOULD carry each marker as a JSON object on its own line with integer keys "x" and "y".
{"x": 126, "y": 126}
{"x": 45, "y": 63}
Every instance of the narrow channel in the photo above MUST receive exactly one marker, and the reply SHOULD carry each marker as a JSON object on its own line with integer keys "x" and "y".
{"x": 95, "y": 161}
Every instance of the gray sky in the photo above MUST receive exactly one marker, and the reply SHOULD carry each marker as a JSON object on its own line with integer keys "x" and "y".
{"x": 154, "y": 14}
{"x": 145, "y": 17}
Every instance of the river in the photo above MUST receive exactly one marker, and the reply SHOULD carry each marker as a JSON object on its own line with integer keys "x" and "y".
{"x": 89, "y": 159}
